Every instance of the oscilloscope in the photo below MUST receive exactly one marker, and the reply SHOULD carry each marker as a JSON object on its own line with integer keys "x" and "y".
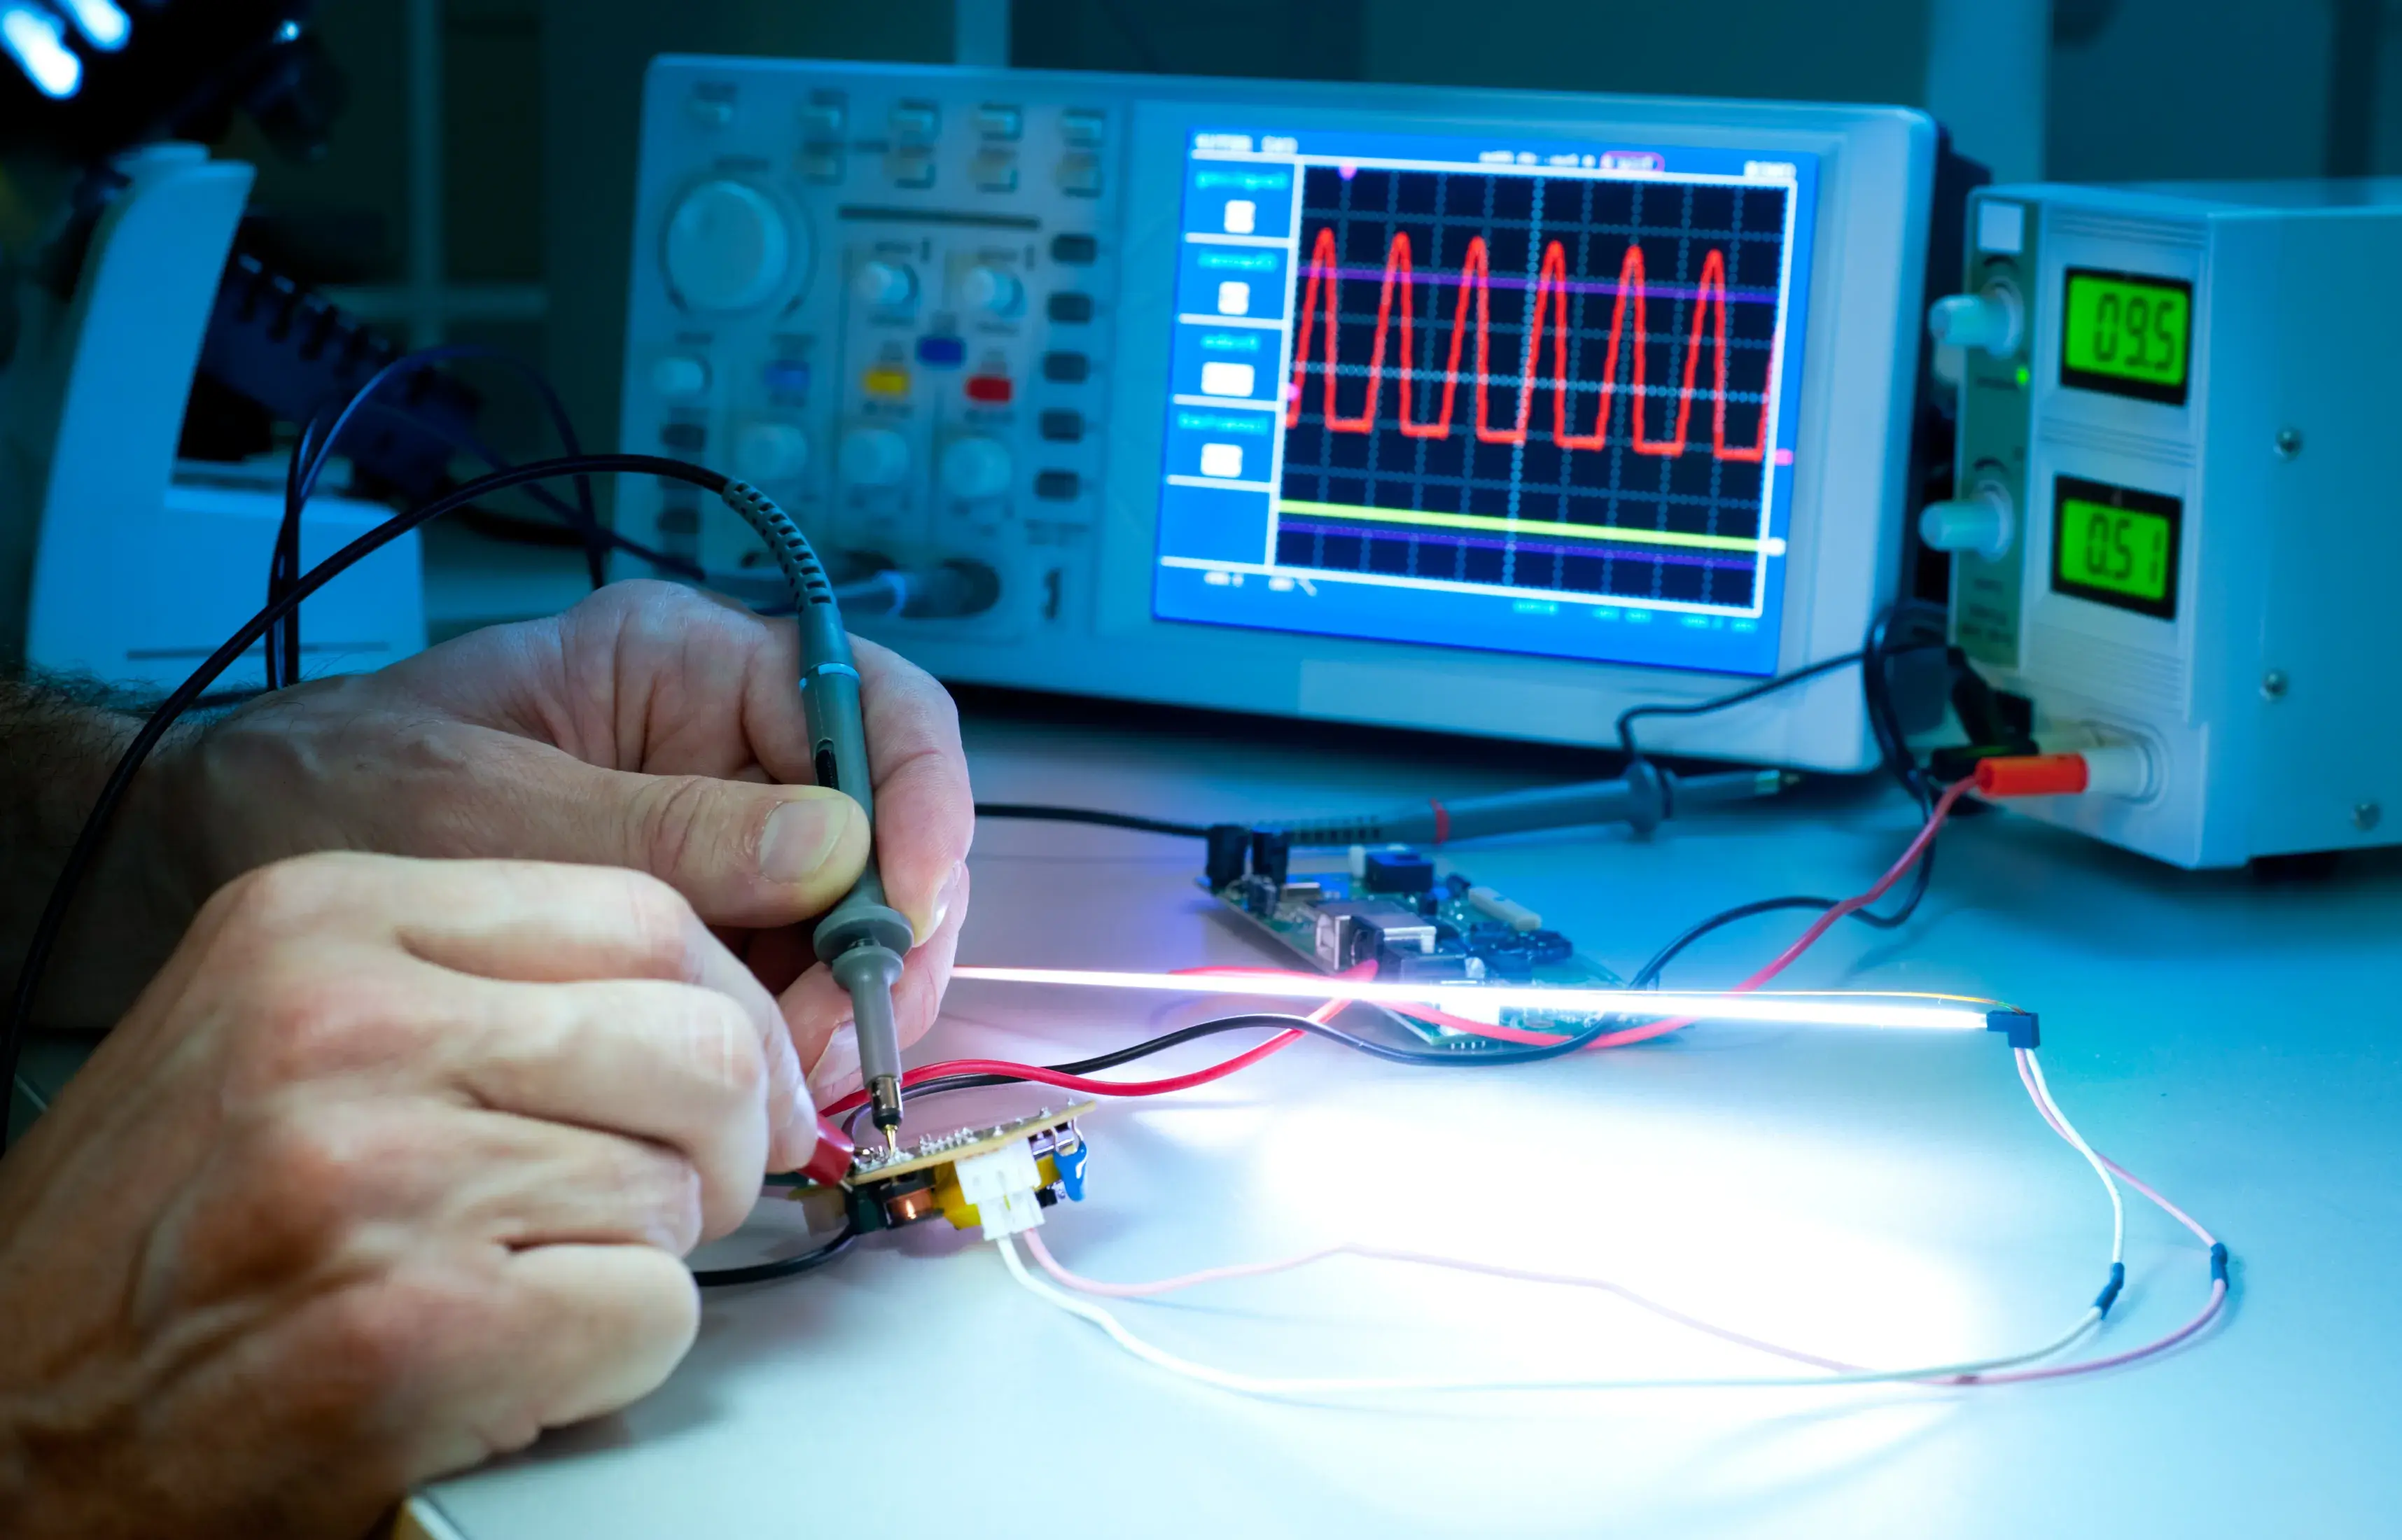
{"x": 1481, "y": 411}
{"x": 2175, "y": 535}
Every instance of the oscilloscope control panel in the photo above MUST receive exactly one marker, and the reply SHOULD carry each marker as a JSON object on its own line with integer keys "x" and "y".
{"x": 1471, "y": 410}
{"x": 2172, "y": 534}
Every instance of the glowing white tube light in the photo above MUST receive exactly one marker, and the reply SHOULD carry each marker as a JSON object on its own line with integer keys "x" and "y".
{"x": 33, "y": 39}
{"x": 1484, "y": 1001}
{"x": 104, "y": 25}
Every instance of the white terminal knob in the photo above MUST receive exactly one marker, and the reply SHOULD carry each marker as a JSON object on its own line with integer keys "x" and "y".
{"x": 769, "y": 451}
{"x": 994, "y": 291}
{"x": 887, "y": 286}
{"x": 1994, "y": 319}
{"x": 1980, "y": 524}
{"x": 975, "y": 468}
{"x": 680, "y": 376}
{"x": 873, "y": 457}
{"x": 727, "y": 247}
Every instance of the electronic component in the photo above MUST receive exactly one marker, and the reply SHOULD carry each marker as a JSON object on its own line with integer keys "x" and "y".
{"x": 1397, "y": 871}
{"x": 2169, "y": 540}
{"x": 1445, "y": 933}
{"x": 1479, "y": 410}
{"x": 998, "y": 1177}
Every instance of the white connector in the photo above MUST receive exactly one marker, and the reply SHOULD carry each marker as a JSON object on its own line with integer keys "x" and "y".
{"x": 1001, "y": 1184}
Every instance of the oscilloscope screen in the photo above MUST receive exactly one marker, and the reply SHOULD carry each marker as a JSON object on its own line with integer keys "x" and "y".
{"x": 1638, "y": 410}
{"x": 1542, "y": 407}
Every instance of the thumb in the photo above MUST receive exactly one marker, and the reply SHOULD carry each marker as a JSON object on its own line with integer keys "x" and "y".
{"x": 741, "y": 853}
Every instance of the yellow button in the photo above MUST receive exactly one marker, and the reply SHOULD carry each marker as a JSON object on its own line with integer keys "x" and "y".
{"x": 888, "y": 382}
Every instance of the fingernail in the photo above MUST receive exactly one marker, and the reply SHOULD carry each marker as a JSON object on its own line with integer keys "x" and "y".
{"x": 801, "y": 835}
{"x": 944, "y": 898}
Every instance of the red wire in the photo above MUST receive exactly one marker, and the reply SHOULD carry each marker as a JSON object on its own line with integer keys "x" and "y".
{"x": 1785, "y": 959}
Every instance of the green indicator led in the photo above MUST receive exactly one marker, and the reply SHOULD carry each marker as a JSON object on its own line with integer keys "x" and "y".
{"x": 2022, "y": 376}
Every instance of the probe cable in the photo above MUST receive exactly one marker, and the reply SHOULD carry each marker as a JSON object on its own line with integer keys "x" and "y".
{"x": 153, "y": 731}
{"x": 2002, "y": 1370}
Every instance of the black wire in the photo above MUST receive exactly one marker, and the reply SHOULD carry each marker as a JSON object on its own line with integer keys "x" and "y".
{"x": 783, "y": 1267}
{"x": 86, "y": 848}
{"x": 1043, "y": 811}
{"x": 1885, "y": 724}
{"x": 1627, "y": 718}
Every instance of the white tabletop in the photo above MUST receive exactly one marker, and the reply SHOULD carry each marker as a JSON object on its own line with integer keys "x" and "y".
{"x": 1879, "y": 1196}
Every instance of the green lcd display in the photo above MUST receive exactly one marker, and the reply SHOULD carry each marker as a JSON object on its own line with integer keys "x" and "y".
{"x": 2125, "y": 334}
{"x": 2115, "y": 546}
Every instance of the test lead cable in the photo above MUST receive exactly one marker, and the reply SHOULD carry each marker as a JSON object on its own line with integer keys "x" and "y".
{"x": 862, "y": 938}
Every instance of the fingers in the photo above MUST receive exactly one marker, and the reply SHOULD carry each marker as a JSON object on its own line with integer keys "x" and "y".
{"x": 317, "y": 1187}
{"x": 742, "y": 852}
{"x": 536, "y": 924}
{"x": 925, "y": 810}
{"x": 606, "y": 1325}
{"x": 683, "y": 1066}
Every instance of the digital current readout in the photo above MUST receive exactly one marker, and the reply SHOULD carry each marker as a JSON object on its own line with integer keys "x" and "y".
{"x": 2125, "y": 334}
{"x": 2115, "y": 546}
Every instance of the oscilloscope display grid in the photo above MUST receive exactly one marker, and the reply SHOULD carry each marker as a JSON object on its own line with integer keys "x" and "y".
{"x": 1542, "y": 534}
{"x": 1330, "y": 483}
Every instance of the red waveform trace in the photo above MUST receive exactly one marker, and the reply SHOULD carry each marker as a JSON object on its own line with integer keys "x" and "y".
{"x": 1551, "y": 290}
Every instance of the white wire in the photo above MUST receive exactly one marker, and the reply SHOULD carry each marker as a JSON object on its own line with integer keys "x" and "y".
{"x": 1246, "y": 1385}
{"x": 2032, "y": 1072}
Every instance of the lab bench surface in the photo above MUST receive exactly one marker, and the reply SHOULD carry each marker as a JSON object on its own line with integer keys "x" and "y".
{"x": 1884, "y": 1197}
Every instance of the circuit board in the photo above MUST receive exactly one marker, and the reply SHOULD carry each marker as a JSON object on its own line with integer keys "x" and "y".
{"x": 1417, "y": 924}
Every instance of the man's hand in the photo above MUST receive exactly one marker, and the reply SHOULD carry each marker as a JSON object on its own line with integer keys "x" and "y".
{"x": 387, "y": 1170}
{"x": 649, "y": 727}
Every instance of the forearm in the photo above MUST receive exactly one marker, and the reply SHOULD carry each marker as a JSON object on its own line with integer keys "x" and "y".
{"x": 57, "y": 748}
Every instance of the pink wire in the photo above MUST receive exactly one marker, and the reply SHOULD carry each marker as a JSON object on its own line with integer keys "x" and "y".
{"x": 2035, "y": 1092}
{"x": 1033, "y": 1241}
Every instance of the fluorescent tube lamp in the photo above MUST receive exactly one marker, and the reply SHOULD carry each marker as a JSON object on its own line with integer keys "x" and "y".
{"x": 1483, "y": 1001}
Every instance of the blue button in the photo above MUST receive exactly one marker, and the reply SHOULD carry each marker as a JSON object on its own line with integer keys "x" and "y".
{"x": 943, "y": 353}
{"x": 787, "y": 374}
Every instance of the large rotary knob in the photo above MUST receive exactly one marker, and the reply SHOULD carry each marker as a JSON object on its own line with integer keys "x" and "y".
{"x": 728, "y": 247}
{"x": 873, "y": 457}
{"x": 975, "y": 468}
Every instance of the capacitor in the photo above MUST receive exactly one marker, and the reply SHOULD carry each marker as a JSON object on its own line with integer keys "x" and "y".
{"x": 1271, "y": 854}
{"x": 1229, "y": 843}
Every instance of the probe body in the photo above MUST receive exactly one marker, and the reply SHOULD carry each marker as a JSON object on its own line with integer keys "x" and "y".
{"x": 862, "y": 938}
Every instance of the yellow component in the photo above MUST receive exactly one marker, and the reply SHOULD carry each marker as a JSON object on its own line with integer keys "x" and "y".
{"x": 888, "y": 382}
{"x": 961, "y": 1213}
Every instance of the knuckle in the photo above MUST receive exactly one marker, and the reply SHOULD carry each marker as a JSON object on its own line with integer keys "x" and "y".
{"x": 275, "y": 898}
{"x": 660, "y": 925}
{"x": 309, "y": 1171}
{"x": 725, "y": 1047}
{"x": 305, "y": 1020}
{"x": 678, "y": 816}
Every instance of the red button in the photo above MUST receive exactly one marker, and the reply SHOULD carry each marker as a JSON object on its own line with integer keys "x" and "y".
{"x": 992, "y": 389}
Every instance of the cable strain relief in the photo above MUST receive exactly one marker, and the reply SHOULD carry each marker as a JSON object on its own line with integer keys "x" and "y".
{"x": 853, "y": 925}
{"x": 2110, "y": 1294}
{"x": 2019, "y": 1028}
{"x": 2219, "y": 1261}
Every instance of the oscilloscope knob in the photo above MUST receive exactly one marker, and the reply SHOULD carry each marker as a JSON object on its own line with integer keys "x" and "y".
{"x": 975, "y": 468}
{"x": 1994, "y": 319}
{"x": 873, "y": 457}
{"x": 992, "y": 290}
{"x": 885, "y": 286}
{"x": 1980, "y": 524}
{"x": 770, "y": 451}
{"x": 727, "y": 247}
